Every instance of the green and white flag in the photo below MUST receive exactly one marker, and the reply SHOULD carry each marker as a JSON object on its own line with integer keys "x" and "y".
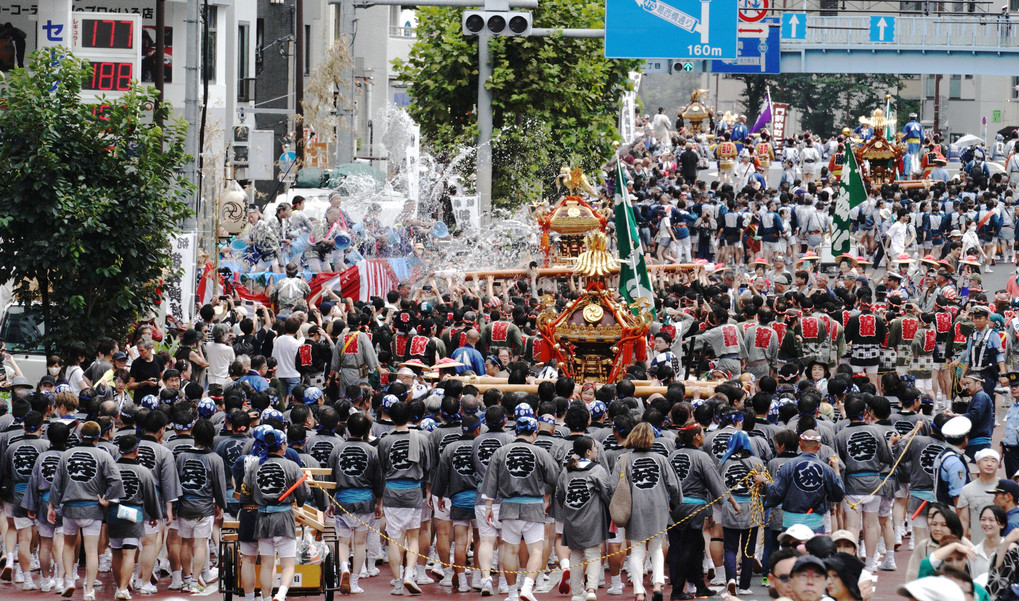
{"x": 851, "y": 193}
{"x": 634, "y": 282}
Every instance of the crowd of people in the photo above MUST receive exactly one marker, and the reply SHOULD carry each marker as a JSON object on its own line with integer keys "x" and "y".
{"x": 848, "y": 417}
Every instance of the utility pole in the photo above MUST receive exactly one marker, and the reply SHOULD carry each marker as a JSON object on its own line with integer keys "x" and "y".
{"x": 484, "y": 158}
{"x": 345, "y": 107}
{"x": 937, "y": 103}
{"x": 158, "y": 73}
{"x": 299, "y": 75}
{"x": 192, "y": 60}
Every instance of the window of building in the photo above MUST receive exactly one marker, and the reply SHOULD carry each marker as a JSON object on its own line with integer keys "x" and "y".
{"x": 955, "y": 87}
{"x": 929, "y": 86}
{"x": 210, "y": 34}
{"x": 243, "y": 47}
{"x": 307, "y": 49}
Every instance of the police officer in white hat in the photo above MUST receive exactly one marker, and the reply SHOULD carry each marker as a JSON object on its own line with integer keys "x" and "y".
{"x": 950, "y": 470}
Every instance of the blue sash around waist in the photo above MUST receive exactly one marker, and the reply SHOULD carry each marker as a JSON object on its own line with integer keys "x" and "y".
{"x": 46, "y": 497}
{"x": 403, "y": 484}
{"x": 524, "y": 500}
{"x": 21, "y": 487}
{"x": 979, "y": 440}
{"x": 694, "y": 501}
{"x": 741, "y": 499}
{"x": 811, "y": 520}
{"x": 923, "y": 495}
{"x": 464, "y": 499}
{"x": 81, "y": 503}
{"x": 354, "y": 495}
{"x": 274, "y": 509}
{"x": 862, "y": 474}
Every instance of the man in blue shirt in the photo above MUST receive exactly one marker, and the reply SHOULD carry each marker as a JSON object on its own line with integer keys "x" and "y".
{"x": 1006, "y": 495}
{"x": 950, "y": 470}
{"x": 980, "y": 413}
{"x": 1010, "y": 438}
{"x": 470, "y": 356}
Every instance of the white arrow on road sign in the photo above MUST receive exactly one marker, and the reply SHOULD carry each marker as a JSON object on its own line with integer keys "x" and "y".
{"x": 881, "y": 25}
{"x": 793, "y": 22}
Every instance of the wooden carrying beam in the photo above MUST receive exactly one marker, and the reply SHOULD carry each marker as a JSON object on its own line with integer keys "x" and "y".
{"x": 566, "y": 271}
{"x": 310, "y": 517}
{"x": 693, "y": 387}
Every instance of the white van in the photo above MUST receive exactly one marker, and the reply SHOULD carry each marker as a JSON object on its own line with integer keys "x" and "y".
{"x": 21, "y": 333}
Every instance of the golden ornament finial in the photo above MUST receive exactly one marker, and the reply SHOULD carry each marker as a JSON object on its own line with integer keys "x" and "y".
{"x": 595, "y": 261}
{"x": 616, "y": 145}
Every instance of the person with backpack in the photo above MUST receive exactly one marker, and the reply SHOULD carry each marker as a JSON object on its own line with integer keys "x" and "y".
{"x": 950, "y": 470}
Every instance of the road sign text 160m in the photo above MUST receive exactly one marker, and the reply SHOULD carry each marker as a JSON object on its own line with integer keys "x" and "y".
{"x": 703, "y": 50}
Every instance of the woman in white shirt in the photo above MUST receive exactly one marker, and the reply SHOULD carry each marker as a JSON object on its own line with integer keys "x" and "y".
{"x": 74, "y": 374}
{"x": 993, "y": 521}
{"x": 220, "y": 355}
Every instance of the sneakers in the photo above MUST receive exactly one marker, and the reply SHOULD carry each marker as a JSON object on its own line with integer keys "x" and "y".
{"x": 527, "y": 596}
{"x": 412, "y": 587}
{"x": 590, "y": 596}
{"x": 29, "y": 585}
{"x": 615, "y": 589}
{"x": 888, "y": 565}
{"x": 89, "y": 595}
{"x": 7, "y": 573}
{"x": 46, "y": 585}
{"x": 564, "y": 582}
{"x": 423, "y": 578}
{"x": 35, "y": 563}
{"x": 397, "y": 589}
{"x": 718, "y": 580}
{"x": 69, "y": 588}
{"x": 345, "y": 582}
{"x": 124, "y": 594}
{"x": 464, "y": 586}
{"x": 208, "y": 576}
{"x": 19, "y": 576}
{"x": 486, "y": 587}
{"x": 106, "y": 562}
{"x": 731, "y": 587}
{"x": 355, "y": 589}
{"x": 447, "y": 580}
{"x": 148, "y": 589}
{"x": 764, "y": 581}
{"x": 744, "y": 592}
{"x": 503, "y": 586}
{"x": 176, "y": 582}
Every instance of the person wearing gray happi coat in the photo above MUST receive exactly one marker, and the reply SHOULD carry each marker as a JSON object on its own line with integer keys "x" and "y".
{"x": 583, "y": 492}
{"x": 487, "y": 443}
{"x": 275, "y": 529}
{"x": 87, "y": 480}
{"x": 37, "y": 495}
{"x": 521, "y": 477}
{"x": 655, "y": 491}
{"x": 867, "y": 457}
{"x": 355, "y": 469}
{"x": 738, "y": 531}
{"x": 701, "y": 483}
{"x": 140, "y": 495}
{"x": 455, "y": 486}
{"x": 15, "y": 472}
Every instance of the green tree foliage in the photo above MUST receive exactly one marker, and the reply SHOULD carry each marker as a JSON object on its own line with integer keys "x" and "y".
{"x": 88, "y": 202}
{"x": 555, "y": 100}
{"x": 826, "y": 102}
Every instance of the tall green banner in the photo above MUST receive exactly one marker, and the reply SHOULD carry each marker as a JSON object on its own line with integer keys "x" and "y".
{"x": 851, "y": 193}
{"x": 634, "y": 282}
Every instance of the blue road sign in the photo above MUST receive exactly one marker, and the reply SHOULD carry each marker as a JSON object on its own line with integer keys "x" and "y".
{"x": 682, "y": 29}
{"x": 794, "y": 26}
{"x": 882, "y": 29}
{"x": 757, "y": 47}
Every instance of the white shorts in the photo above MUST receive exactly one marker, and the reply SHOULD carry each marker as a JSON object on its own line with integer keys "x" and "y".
{"x": 885, "y": 509}
{"x": 902, "y": 492}
{"x": 863, "y": 369}
{"x": 773, "y": 246}
{"x": 248, "y": 549}
{"x": 399, "y": 519}
{"x": 23, "y": 523}
{"x": 864, "y": 503}
{"x": 71, "y": 527}
{"x": 46, "y": 529}
{"x": 439, "y": 513}
{"x": 465, "y": 523}
{"x": 120, "y": 543}
{"x": 195, "y": 527}
{"x": 486, "y": 530}
{"x": 515, "y": 530}
{"x": 426, "y": 514}
{"x": 618, "y": 536}
{"x": 150, "y": 529}
{"x": 347, "y": 524}
{"x": 284, "y": 546}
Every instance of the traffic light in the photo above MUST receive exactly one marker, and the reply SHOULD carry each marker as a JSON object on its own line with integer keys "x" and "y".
{"x": 497, "y": 22}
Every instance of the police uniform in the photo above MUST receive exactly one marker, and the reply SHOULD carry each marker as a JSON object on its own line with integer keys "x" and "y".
{"x": 950, "y": 470}
{"x": 984, "y": 353}
{"x": 1010, "y": 438}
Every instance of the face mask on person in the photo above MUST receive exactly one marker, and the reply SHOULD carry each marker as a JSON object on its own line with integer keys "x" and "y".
{"x": 54, "y": 371}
